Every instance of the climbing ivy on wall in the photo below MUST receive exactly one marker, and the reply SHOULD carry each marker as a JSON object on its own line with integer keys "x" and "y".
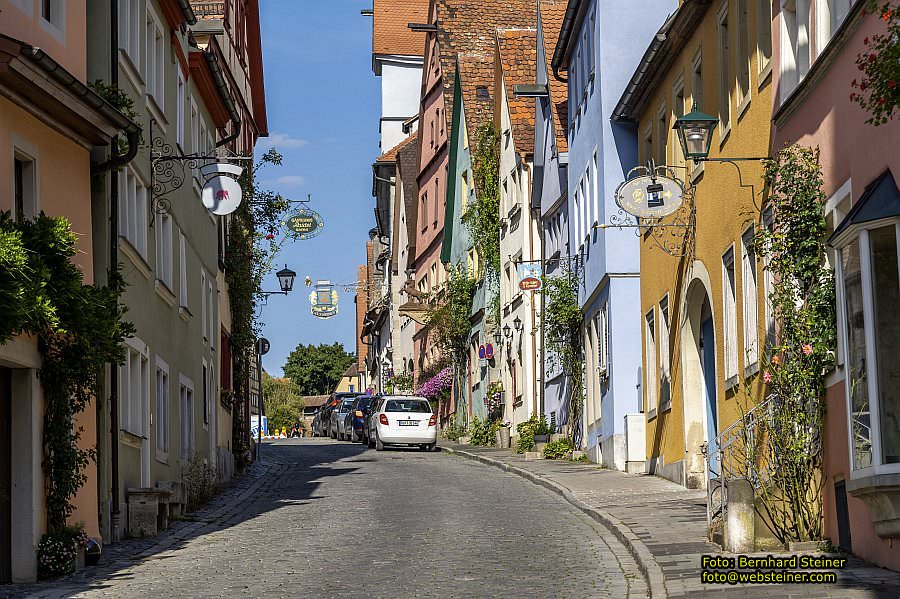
{"x": 252, "y": 244}
{"x": 482, "y": 217}
{"x": 80, "y": 328}
{"x": 562, "y": 325}
{"x": 781, "y": 448}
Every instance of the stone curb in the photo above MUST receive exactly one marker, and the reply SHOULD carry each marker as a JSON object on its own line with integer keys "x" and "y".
{"x": 653, "y": 574}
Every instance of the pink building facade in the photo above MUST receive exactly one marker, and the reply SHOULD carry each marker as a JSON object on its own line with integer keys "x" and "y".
{"x": 814, "y": 62}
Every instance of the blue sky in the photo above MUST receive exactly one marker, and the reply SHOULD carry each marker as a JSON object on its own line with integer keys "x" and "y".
{"x": 323, "y": 105}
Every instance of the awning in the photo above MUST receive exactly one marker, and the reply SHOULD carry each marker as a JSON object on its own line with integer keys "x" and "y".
{"x": 881, "y": 199}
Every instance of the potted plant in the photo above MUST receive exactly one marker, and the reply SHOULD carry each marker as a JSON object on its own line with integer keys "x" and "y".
{"x": 61, "y": 552}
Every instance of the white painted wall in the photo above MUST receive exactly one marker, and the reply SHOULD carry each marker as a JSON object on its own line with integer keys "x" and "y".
{"x": 518, "y": 236}
{"x": 401, "y": 83}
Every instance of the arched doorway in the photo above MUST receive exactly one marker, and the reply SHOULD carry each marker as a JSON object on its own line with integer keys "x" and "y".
{"x": 698, "y": 363}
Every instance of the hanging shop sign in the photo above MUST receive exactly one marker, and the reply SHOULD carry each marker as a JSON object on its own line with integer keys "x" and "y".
{"x": 650, "y": 196}
{"x": 324, "y": 300}
{"x": 530, "y": 274}
{"x": 304, "y": 223}
{"x": 221, "y": 195}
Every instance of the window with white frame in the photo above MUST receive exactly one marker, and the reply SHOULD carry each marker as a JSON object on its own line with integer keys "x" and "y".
{"x": 651, "y": 384}
{"x": 725, "y": 78}
{"x": 870, "y": 278}
{"x": 742, "y": 52}
{"x": 130, "y": 19}
{"x": 729, "y": 315}
{"x": 577, "y": 214}
{"x": 603, "y": 342}
{"x": 678, "y": 110}
{"x": 763, "y": 34}
{"x": 162, "y": 406}
{"x": 53, "y": 12}
{"x": 768, "y": 285}
{"x": 133, "y": 390}
{"x": 164, "y": 250}
{"x": 830, "y": 14}
{"x": 25, "y": 190}
{"x": 186, "y": 396}
{"x": 194, "y": 127}
{"x": 662, "y": 135}
{"x": 795, "y": 44}
{"x": 203, "y": 309}
{"x": 133, "y": 209}
{"x": 595, "y": 196}
{"x": 155, "y": 60}
{"x": 211, "y": 291}
{"x": 207, "y": 390}
{"x": 665, "y": 367}
{"x": 180, "y": 88}
{"x": 585, "y": 208}
{"x": 749, "y": 294}
{"x": 182, "y": 271}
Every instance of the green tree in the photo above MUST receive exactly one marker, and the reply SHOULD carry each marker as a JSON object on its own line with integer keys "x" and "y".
{"x": 316, "y": 369}
{"x": 283, "y": 401}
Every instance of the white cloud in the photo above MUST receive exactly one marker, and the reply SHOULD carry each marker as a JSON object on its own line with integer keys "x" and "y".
{"x": 280, "y": 141}
{"x": 290, "y": 181}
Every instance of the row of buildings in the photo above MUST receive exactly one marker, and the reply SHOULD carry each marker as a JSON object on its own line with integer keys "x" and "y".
{"x": 675, "y": 320}
{"x": 100, "y": 100}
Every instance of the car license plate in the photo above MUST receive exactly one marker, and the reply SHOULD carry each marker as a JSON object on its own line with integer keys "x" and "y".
{"x": 408, "y": 422}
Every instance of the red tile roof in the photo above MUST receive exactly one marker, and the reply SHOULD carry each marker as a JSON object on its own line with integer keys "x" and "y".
{"x": 390, "y": 33}
{"x": 470, "y": 27}
{"x": 552, "y": 12}
{"x": 391, "y": 155}
{"x": 517, "y": 51}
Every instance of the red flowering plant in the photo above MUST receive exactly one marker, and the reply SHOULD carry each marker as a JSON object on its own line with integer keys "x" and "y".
{"x": 877, "y": 91}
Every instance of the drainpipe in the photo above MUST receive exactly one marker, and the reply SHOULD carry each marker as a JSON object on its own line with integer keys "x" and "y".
{"x": 565, "y": 32}
{"x": 115, "y": 515}
{"x": 213, "y": 62}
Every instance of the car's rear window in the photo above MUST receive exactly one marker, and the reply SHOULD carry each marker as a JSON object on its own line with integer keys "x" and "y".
{"x": 364, "y": 403}
{"x": 345, "y": 406}
{"x": 407, "y": 405}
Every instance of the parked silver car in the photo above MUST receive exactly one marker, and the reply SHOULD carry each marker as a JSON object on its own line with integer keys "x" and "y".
{"x": 337, "y": 427}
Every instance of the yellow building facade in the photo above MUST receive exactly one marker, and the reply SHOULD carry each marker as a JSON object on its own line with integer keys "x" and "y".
{"x": 703, "y": 298}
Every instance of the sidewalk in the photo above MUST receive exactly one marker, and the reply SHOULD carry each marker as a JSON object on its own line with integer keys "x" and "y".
{"x": 223, "y": 510}
{"x": 663, "y": 525}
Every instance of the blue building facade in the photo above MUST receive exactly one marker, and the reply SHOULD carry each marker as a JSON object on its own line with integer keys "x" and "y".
{"x": 599, "y": 43}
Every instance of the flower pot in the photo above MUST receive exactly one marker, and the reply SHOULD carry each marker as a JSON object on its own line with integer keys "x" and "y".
{"x": 79, "y": 559}
{"x": 542, "y": 438}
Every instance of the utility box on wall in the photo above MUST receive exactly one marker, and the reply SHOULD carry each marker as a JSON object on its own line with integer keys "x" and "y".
{"x": 635, "y": 443}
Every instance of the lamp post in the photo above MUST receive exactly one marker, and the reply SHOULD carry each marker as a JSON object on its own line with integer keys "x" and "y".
{"x": 286, "y": 278}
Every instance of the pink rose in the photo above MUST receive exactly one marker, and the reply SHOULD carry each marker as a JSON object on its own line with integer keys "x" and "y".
{"x": 807, "y": 349}
{"x": 767, "y": 376}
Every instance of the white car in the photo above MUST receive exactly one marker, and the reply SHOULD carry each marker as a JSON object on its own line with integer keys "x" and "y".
{"x": 402, "y": 420}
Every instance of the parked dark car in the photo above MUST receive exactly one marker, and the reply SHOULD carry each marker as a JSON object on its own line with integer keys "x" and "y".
{"x": 357, "y": 417}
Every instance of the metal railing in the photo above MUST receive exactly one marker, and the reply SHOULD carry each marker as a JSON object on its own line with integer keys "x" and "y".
{"x": 734, "y": 446}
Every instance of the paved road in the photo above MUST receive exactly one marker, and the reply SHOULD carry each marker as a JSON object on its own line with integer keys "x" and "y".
{"x": 333, "y": 519}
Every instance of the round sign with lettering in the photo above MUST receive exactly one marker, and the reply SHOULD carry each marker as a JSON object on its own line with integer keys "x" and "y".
{"x": 221, "y": 195}
{"x": 304, "y": 223}
{"x": 649, "y": 196}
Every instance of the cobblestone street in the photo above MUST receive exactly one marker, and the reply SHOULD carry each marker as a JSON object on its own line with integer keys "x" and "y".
{"x": 330, "y": 519}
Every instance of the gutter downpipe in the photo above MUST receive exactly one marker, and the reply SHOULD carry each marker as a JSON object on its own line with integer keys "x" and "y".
{"x": 565, "y": 31}
{"x": 212, "y": 61}
{"x": 115, "y": 515}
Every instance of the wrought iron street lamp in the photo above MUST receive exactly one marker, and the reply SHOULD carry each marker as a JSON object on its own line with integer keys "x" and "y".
{"x": 517, "y": 323}
{"x": 507, "y": 332}
{"x": 695, "y": 131}
{"x": 498, "y": 338}
{"x": 286, "y": 278}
